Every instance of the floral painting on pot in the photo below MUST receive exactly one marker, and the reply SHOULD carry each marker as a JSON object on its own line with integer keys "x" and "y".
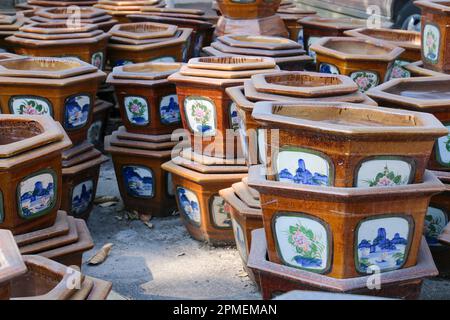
{"x": 138, "y": 181}
{"x": 303, "y": 242}
{"x": 443, "y": 149}
{"x": 94, "y": 132}
{"x": 200, "y": 115}
{"x": 240, "y": 239}
{"x": 189, "y": 204}
{"x": 169, "y": 109}
{"x": 303, "y": 166}
{"x": 430, "y": 44}
{"x": 235, "y": 120}
{"x": 30, "y": 105}
{"x": 365, "y": 79}
{"x": 382, "y": 243}
{"x": 82, "y": 196}
{"x": 77, "y": 111}
{"x": 137, "y": 110}
{"x": 384, "y": 172}
{"x": 97, "y": 60}
{"x": 221, "y": 216}
{"x": 37, "y": 194}
{"x": 435, "y": 221}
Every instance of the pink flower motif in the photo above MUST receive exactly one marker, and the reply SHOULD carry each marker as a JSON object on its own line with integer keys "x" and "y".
{"x": 30, "y": 110}
{"x": 301, "y": 241}
{"x": 397, "y": 72}
{"x": 134, "y": 108}
{"x": 362, "y": 82}
{"x": 430, "y": 40}
{"x": 199, "y": 113}
{"x": 385, "y": 181}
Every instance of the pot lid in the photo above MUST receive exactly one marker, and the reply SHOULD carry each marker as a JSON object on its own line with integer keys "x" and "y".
{"x": 332, "y": 23}
{"x": 420, "y": 93}
{"x": 304, "y": 84}
{"x": 259, "y": 42}
{"x": 401, "y": 38}
{"x": 57, "y": 28}
{"x": 418, "y": 68}
{"x": 143, "y": 30}
{"x": 19, "y": 134}
{"x": 129, "y": 41}
{"x": 59, "y": 13}
{"x": 11, "y": 263}
{"x": 231, "y": 63}
{"x": 219, "y": 74}
{"x": 347, "y": 48}
{"x": 44, "y": 67}
{"x": 442, "y": 6}
{"x": 256, "y": 52}
{"x": 146, "y": 71}
{"x": 349, "y": 120}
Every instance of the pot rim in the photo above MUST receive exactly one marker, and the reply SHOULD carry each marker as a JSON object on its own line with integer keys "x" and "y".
{"x": 122, "y": 133}
{"x": 346, "y": 85}
{"x": 11, "y": 262}
{"x": 428, "y": 126}
{"x": 226, "y": 75}
{"x": 191, "y": 21}
{"x": 320, "y": 48}
{"x": 169, "y": 30}
{"x": 269, "y": 42}
{"x": 442, "y": 6}
{"x": 47, "y": 13}
{"x": 234, "y": 201}
{"x": 380, "y": 93}
{"x": 208, "y": 169}
{"x": 76, "y": 169}
{"x": 133, "y": 71}
{"x": 173, "y": 10}
{"x": 54, "y": 37}
{"x": 247, "y": 63}
{"x": 359, "y": 33}
{"x": 120, "y": 3}
{"x": 431, "y": 185}
{"x": 34, "y": 43}
{"x": 40, "y": 27}
{"x": 417, "y": 67}
{"x": 180, "y": 79}
{"x": 218, "y": 45}
{"x": 115, "y": 141}
{"x": 241, "y": 191}
{"x": 237, "y": 95}
{"x": 135, "y": 152}
{"x": 332, "y": 23}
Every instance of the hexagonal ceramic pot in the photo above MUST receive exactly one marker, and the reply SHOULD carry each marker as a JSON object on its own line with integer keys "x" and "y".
{"x": 426, "y": 94}
{"x": 416, "y": 69}
{"x": 248, "y": 9}
{"x": 343, "y": 232}
{"x": 435, "y": 29}
{"x": 148, "y": 103}
{"x": 30, "y": 172}
{"x": 81, "y": 168}
{"x": 54, "y": 39}
{"x": 291, "y": 17}
{"x": 62, "y": 88}
{"x": 202, "y": 209}
{"x": 121, "y": 9}
{"x": 144, "y": 186}
{"x": 408, "y": 40}
{"x": 122, "y": 51}
{"x": 368, "y": 63}
{"x": 346, "y": 145}
{"x": 207, "y": 111}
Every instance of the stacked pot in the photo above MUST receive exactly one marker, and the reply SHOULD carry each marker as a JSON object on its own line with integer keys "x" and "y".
{"x": 119, "y": 9}
{"x": 31, "y": 189}
{"x": 291, "y": 17}
{"x": 214, "y": 160}
{"x": 87, "y": 15}
{"x": 148, "y": 42}
{"x": 150, "y": 112}
{"x": 9, "y": 24}
{"x": 327, "y": 167}
{"x": 196, "y": 20}
{"x": 57, "y": 39}
{"x": 33, "y": 277}
{"x": 288, "y": 54}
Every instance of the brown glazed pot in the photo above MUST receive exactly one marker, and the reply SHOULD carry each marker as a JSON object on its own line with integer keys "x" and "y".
{"x": 276, "y": 279}
{"x": 435, "y": 28}
{"x": 346, "y": 145}
{"x": 144, "y": 186}
{"x": 60, "y": 87}
{"x": 416, "y": 69}
{"x": 55, "y": 39}
{"x": 145, "y": 42}
{"x": 343, "y": 232}
{"x": 368, "y": 63}
{"x": 408, "y": 40}
{"x": 426, "y": 94}
{"x": 30, "y": 164}
{"x": 81, "y": 169}
{"x": 201, "y": 89}
{"x": 148, "y": 102}
{"x": 121, "y": 9}
{"x": 202, "y": 210}
{"x": 9, "y": 24}
{"x": 245, "y": 218}
{"x": 290, "y": 17}
{"x": 96, "y": 132}
{"x": 202, "y": 33}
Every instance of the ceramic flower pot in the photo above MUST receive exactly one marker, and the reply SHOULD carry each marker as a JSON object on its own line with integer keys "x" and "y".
{"x": 62, "y": 88}
{"x": 30, "y": 172}
{"x": 9, "y": 24}
{"x": 290, "y": 17}
{"x": 121, "y": 9}
{"x": 416, "y": 69}
{"x": 148, "y": 103}
{"x": 55, "y": 39}
{"x": 96, "y": 132}
{"x": 275, "y": 279}
{"x": 315, "y": 27}
{"x": 148, "y": 42}
{"x": 408, "y": 40}
{"x": 143, "y": 185}
{"x": 88, "y": 15}
{"x": 426, "y": 94}
{"x": 367, "y": 62}
{"x": 346, "y": 145}
{"x": 202, "y": 33}
{"x": 207, "y": 111}
{"x": 202, "y": 209}
{"x": 435, "y": 29}
{"x": 81, "y": 168}
{"x": 343, "y": 232}
{"x": 246, "y": 216}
